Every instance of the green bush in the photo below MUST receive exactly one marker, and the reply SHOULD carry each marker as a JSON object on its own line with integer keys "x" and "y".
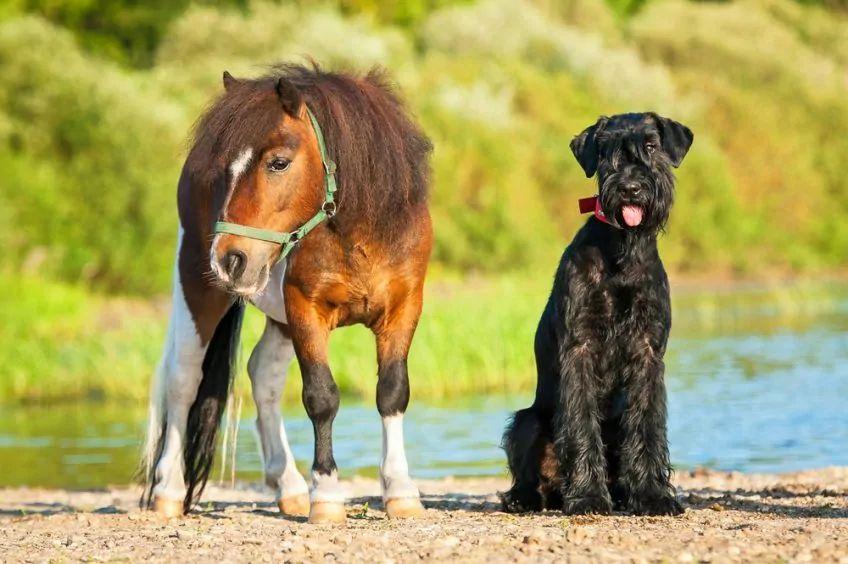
{"x": 779, "y": 120}
{"x": 103, "y": 148}
{"x": 90, "y": 151}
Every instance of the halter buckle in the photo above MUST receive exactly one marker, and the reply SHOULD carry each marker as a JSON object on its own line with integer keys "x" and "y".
{"x": 329, "y": 208}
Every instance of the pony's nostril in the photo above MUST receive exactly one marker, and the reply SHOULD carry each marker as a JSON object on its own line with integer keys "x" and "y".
{"x": 234, "y": 264}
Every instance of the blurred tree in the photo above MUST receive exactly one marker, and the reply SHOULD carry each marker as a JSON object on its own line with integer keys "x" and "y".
{"x": 90, "y": 151}
{"x": 127, "y": 31}
{"x": 625, "y": 8}
{"x": 405, "y": 13}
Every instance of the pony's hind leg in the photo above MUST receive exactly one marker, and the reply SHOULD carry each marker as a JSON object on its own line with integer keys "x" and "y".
{"x": 267, "y": 367}
{"x": 400, "y": 494}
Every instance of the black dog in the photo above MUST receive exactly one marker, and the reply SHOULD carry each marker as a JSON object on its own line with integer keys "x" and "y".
{"x": 595, "y": 436}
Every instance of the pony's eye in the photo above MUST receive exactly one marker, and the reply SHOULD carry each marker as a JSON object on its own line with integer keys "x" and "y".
{"x": 651, "y": 147}
{"x": 278, "y": 164}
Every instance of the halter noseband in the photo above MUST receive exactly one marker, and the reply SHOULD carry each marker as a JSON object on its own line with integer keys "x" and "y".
{"x": 288, "y": 240}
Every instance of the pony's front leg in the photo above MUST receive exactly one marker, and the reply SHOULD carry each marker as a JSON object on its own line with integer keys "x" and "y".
{"x": 175, "y": 391}
{"x": 178, "y": 378}
{"x": 310, "y": 334}
{"x": 400, "y": 495}
{"x": 267, "y": 367}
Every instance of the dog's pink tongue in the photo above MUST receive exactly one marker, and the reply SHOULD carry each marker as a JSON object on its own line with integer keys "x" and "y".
{"x": 632, "y": 215}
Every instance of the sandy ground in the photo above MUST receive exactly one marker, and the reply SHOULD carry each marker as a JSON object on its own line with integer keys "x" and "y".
{"x": 799, "y": 517}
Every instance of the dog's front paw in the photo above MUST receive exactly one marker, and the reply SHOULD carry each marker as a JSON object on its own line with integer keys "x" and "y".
{"x": 655, "y": 505}
{"x": 521, "y": 501}
{"x": 584, "y": 505}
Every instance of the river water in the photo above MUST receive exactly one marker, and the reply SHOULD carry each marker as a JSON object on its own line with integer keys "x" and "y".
{"x": 757, "y": 380}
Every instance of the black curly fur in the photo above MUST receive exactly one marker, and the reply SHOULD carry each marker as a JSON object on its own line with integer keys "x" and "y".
{"x": 599, "y": 416}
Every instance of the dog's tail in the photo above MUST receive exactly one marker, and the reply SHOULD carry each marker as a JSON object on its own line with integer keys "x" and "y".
{"x": 522, "y": 440}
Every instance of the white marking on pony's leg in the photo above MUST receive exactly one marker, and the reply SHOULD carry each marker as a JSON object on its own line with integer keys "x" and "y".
{"x": 326, "y": 499}
{"x": 326, "y": 488}
{"x": 394, "y": 470}
{"x": 179, "y": 376}
{"x": 267, "y": 367}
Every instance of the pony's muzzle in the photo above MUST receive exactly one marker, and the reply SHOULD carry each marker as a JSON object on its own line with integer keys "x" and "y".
{"x": 240, "y": 267}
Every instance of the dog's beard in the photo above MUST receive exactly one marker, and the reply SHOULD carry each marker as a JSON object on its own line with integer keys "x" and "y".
{"x": 629, "y": 212}
{"x": 647, "y": 211}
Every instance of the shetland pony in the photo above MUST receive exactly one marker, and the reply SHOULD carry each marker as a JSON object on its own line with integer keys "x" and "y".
{"x": 304, "y": 193}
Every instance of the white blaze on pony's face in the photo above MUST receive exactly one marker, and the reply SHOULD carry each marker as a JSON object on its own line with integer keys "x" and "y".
{"x": 237, "y": 168}
{"x": 229, "y": 268}
{"x": 274, "y": 185}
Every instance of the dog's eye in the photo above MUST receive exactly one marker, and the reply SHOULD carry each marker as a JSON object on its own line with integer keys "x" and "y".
{"x": 278, "y": 164}
{"x": 651, "y": 147}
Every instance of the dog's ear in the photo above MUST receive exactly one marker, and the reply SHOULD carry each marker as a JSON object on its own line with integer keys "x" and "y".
{"x": 676, "y": 138}
{"x": 229, "y": 80}
{"x": 290, "y": 97}
{"x": 585, "y": 148}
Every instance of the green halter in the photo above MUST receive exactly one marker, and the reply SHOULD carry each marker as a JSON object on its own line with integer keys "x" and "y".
{"x": 328, "y": 208}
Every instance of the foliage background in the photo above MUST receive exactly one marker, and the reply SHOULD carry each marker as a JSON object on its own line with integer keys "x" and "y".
{"x": 97, "y": 99}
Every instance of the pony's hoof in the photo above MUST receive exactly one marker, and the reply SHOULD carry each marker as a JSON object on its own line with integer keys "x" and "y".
{"x": 327, "y": 512}
{"x": 404, "y": 508}
{"x": 168, "y": 507}
{"x": 294, "y": 505}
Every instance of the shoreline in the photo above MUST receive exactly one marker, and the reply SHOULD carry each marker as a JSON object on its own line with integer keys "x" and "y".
{"x": 729, "y": 516}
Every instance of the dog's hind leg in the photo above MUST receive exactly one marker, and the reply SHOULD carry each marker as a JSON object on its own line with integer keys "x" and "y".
{"x": 550, "y": 477}
{"x": 522, "y": 441}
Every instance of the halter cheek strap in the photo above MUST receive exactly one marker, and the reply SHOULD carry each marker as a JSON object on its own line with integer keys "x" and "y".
{"x": 288, "y": 240}
{"x": 593, "y": 205}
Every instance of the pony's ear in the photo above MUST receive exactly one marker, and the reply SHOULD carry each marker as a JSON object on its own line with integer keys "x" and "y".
{"x": 229, "y": 80}
{"x": 290, "y": 97}
{"x": 585, "y": 148}
{"x": 676, "y": 139}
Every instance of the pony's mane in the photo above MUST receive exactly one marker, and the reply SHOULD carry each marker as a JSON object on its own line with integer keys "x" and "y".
{"x": 381, "y": 153}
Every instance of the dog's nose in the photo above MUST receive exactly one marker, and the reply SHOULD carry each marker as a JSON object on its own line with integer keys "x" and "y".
{"x": 234, "y": 264}
{"x": 633, "y": 188}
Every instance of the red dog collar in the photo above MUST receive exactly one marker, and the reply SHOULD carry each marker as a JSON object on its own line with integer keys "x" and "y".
{"x": 593, "y": 205}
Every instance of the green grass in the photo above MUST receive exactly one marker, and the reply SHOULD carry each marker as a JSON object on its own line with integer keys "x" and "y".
{"x": 59, "y": 343}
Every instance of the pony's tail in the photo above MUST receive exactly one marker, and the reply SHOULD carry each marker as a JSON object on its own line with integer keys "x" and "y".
{"x": 204, "y": 417}
{"x": 155, "y": 440}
